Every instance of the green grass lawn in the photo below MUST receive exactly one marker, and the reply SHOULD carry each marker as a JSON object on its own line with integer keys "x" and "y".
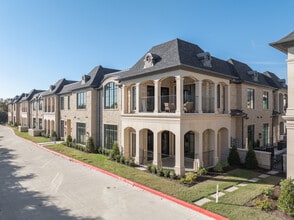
{"x": 232, "y": 205}
{"x": 25, "y": 135}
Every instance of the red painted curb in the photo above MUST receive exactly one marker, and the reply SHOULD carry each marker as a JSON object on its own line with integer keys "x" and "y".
{"x": 155, "y": 192}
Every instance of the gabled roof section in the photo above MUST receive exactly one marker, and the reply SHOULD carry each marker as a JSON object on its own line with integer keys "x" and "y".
{"x": 177, "y": 53}
{"x": 90, "y": 80}
{"x": 284, "y": 43}
{"x": 57, "y": 87}
{"x": 31, "y": 94}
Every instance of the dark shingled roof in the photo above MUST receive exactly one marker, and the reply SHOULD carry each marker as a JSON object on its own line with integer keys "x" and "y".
{"x": 93, "y": 80}
{"x": 29, "y": 96}
{"x": 265, "y": 79}
{"x": 177, "y": 53}
{"x": 284, "y": 43}
{"x": 56, "y": 88}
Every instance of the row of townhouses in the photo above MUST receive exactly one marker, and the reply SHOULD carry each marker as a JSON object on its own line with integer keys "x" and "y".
{"x": 178, "y": 106}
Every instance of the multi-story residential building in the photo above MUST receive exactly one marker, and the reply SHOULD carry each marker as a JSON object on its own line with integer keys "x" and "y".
{"x": 14, "y": 109}
{"x": 180, "y": 106}
{"x": 37, "y": 113}
{"x": 286, "y": 45}
{"x": 25, "y": 109}
{"x": 80, "y": 107}
{"x": 258, "y": 102}
{"x": 51, "y": 108}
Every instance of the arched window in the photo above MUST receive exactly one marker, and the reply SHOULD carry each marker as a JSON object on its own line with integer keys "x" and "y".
{"x": 110, "y": 96}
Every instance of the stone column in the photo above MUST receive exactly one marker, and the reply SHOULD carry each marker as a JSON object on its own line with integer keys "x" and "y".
{"x": 179, "y": 94}
{"x": 199, "y": 86}
{"x": 139, "y": 153}
{"x": 157, "y": 149}
{"x": 215, "y": 98}
{"x": 156, "y": 95}
{"x": 179, "y": 154}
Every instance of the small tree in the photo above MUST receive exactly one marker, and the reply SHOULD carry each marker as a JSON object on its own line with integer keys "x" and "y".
{"x": 90, "y": 145}
{"x": 286, "y": 198}
{"x": 54, "y": 136}
{"x": 234, "y": 158}
{"x": 250, "y": 160}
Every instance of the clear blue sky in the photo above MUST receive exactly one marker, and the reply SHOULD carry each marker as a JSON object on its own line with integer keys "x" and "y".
{"x": 42, "y": 41}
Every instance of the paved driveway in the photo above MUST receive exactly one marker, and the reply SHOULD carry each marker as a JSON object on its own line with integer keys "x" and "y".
{"x": 36, "y": 184}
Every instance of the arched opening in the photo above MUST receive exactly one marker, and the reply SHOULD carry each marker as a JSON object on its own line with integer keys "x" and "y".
{"x": 147, "y": 96}
{"x": 222, "y": 98}
{"x": 208, "y": 96}
{"x": 189, "y": 145}
{"x": 168, "y": 94}
{"x": 208, "y": 148}
{"x": 130, "y": 142}
{"x": 167, "y": 148}
{"x": 190, "y": 101}
{"x": 223, "y": 144}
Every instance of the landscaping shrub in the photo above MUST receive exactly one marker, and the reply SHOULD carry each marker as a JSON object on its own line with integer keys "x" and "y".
{"x": 286, "y": 198}
{"x": 153, "y": 169}
{"x": 202, "y": 171}
{"x": 90, "y": 145}
{"x": 131, "y": 162}
{"x": 166, "y": 173}
{"x": 68, "y": 140}
{"x": 122, "y": 160}
{"x": 115, "y": 149}
{"x": 189, "y": 178}
{"x": 264, "y": 203}
{"x": 234, "y": 158}
{"x": 173, "y": 175}
{"x": 220, "y": 166}
{"x": 149, "y": 167}
{"x": 160, "y": 171}
{"x": 54, "y": 136}
{"x": 250, "y": 160}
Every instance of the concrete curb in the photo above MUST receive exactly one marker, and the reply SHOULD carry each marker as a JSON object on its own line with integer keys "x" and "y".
{"x": 155, "y": 192}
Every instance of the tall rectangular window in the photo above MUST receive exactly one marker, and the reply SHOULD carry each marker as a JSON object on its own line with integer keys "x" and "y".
{"x": 250, "y": 136}
{"x": 133, "y": 98}
{"x": 81, "y": 133}
{"x": 110, "y": 96}
{"x": 265, "y": 100}
{"x": 40, "y": 104}
{"x": 68, "y": 102}
{"x": 218, "y": 96}
{"x": 34, "y": 105}
{"x": 34, "y": 122}
{"x": 250, "y": 98}
{"x": 265, "y": 135}
{"x": 81, "y": 100}
{"x": 61, "y": 128}
{"x": 40, "y": 123}
{"x": 110, "y": 135}
{"x": 62, "y": 103}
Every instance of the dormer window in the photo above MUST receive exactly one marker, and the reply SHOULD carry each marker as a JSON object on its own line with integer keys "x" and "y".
{"x": 254, "y": 75}
{"x": 149, "y": 60}
{"x": 85, "y": 78}
{"x": 52, "y": 87}
{"x": 205, "y": 59}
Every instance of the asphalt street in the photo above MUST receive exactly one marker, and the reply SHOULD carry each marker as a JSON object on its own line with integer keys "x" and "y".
{"x": 36, "y": 184}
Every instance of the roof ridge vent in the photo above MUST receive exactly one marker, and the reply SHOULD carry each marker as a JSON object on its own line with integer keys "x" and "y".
{"x": 205, "y": 59}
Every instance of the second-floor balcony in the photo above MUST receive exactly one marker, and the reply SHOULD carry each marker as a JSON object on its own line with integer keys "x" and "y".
{"x": 176, "y": 95}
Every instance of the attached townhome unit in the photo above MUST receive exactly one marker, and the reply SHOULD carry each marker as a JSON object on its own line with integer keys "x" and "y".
{"x": 177, "y": 107}
{"x": 79, "y": 105}
{"x": 286, "y": 45}
{"x": 14, "y": 110}
{"x": 25, "y": 110}
{"x": 51, "y": 107}
{"x": 36, "y": 114}
{"x": 180, "y": 107}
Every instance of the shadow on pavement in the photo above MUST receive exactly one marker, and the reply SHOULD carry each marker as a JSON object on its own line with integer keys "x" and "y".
{"x": 18, "y": 203}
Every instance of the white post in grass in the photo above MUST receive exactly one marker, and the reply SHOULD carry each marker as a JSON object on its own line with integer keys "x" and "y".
{"x": 216, "y": 196}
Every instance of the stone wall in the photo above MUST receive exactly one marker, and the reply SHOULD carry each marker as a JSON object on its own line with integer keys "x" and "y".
{"x": 263, "y": 158}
